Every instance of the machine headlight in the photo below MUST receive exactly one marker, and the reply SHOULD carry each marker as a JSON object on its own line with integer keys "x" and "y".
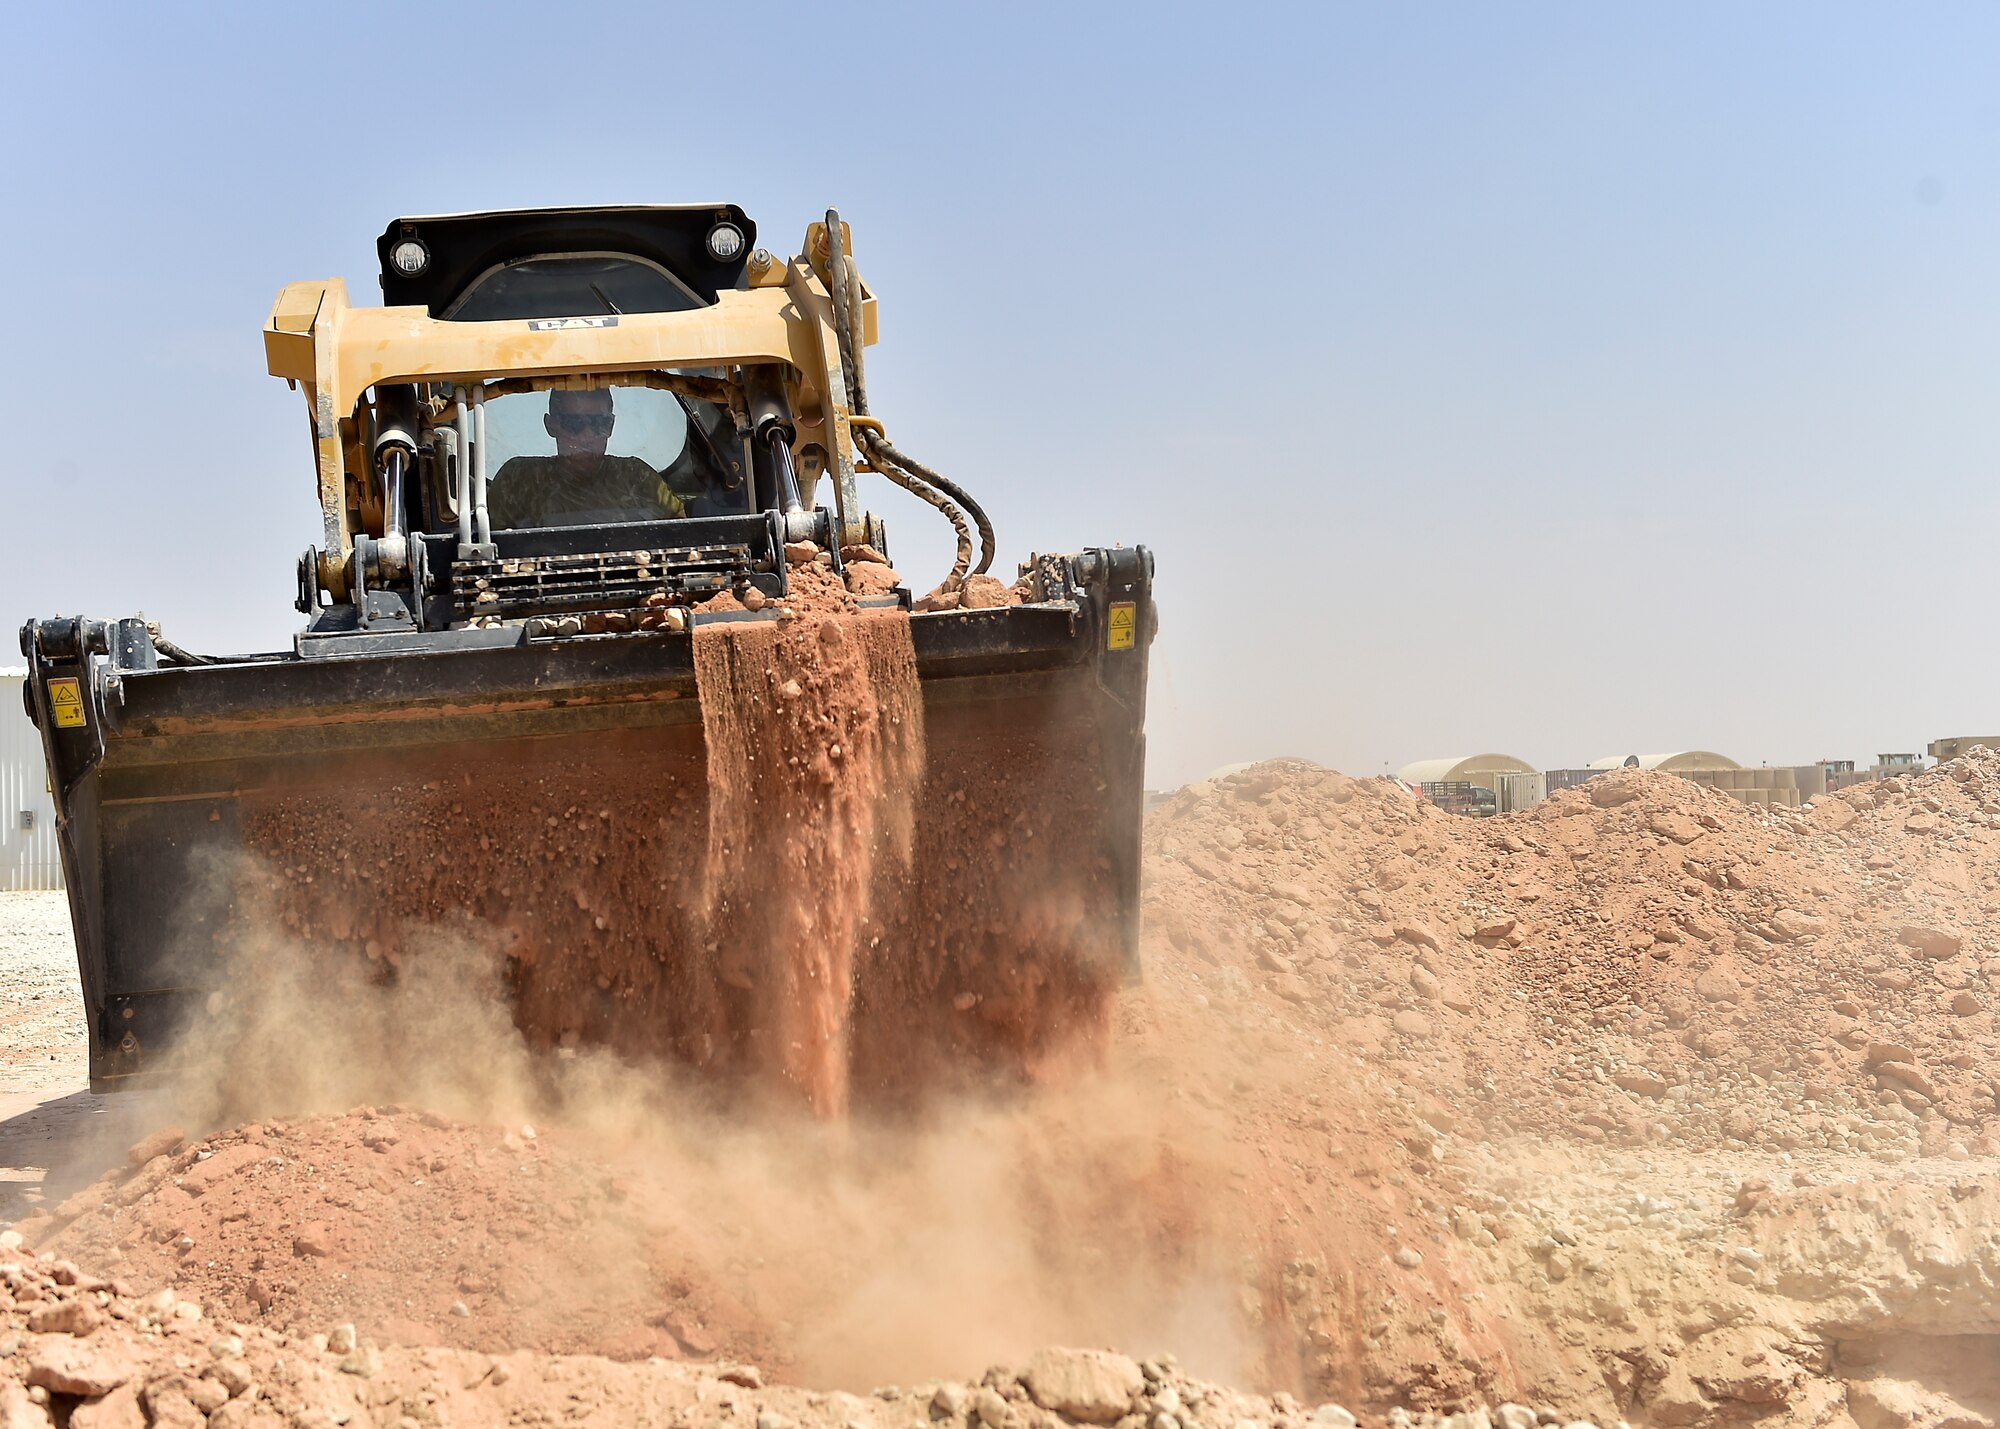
{"x": 725, "y": 241}
{"x": 410, "y": 257}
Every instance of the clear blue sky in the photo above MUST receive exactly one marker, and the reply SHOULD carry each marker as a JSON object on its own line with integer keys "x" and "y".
{"x": 1558, "y": 379}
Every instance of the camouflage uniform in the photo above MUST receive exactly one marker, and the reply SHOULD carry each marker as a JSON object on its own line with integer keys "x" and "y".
{"x": 536, "y": 491}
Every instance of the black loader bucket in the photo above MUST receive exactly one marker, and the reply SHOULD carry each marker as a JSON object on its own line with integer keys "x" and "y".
{"x": 547, "y": 795}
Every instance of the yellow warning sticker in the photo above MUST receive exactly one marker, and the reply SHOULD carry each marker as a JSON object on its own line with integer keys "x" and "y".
{"x": 1123, "y": 631}
{"x": 66, "y": 699}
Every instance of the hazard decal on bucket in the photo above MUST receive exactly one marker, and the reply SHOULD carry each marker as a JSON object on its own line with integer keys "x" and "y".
{"x": 1122, "y": 633}
{"x": 66, "y": 699}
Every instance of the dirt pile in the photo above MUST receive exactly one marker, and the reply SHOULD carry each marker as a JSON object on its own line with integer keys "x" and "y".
{"x": 1605, "y": 1032}
{"x": 1634, "y": 961}
{"x": 1641, "y": 1105}
{"x": 421, "y": 1230}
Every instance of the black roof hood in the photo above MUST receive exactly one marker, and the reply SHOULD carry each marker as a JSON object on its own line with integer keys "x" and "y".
{"x": 464, "y": 246}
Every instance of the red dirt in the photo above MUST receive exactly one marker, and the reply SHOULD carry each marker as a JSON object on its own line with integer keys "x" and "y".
{"x": 815, "y": 739}
{"x": 1353, "y": 1123}
{"x": 390, "y": 1219}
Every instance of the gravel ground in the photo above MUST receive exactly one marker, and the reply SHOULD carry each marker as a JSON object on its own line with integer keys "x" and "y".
{"x": 41, "y": 1003}
{"x": 54, "y": 1133}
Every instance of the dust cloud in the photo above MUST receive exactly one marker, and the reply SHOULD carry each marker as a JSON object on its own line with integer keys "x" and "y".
{"x": 848, "y": 1252}
{"x": 843, "y": 1245}
{"x": 815, "y": 739}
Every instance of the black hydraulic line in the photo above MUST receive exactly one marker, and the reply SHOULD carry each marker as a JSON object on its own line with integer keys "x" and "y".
{"x": 879, "y": 447}
{"x": 179, "y": 656}
{"x": 962, "y": 560}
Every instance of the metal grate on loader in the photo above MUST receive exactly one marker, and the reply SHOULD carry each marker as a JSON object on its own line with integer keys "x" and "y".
{"x": 511, "y": 587}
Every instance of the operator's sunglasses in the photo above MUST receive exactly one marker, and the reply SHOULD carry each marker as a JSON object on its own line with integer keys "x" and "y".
{"x": 577, "y": 423}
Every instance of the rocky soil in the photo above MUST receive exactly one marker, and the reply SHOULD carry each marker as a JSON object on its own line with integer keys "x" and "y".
{"x": 1641, "y": 1106}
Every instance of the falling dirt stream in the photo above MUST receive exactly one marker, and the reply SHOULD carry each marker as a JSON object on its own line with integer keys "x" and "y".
{"x": 815, "y": 745}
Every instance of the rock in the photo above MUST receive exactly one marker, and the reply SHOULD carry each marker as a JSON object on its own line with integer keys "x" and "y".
{"x": 1411, "y": 1024}
{"x": 1336, "y": 1417}
{"x": 207, "y": 1395}
{"x": 1833, "y": 814}
{"x": 1931, "y": 942}
{"x": 1419, "y": 935}
{"x": 1514, "y": 1416}
{"x": 1880, "y": 1052}
{"x": 983, "y": 593}
{"x": 199, "y": 1178}
{"x": 1906, "y": 1074}
{"x": 1608, "y": 791}
{"x": 233, "y": 1375}
{"x": 171, "y": 1409}
{"x": 689, "y": 1333}
{"x": 1790, "y": 925}
{"x": 1095, "y": 1386}
{"x": 64, "y": 1317}
{"x": 364, "y": 1360}
{"x": 1676, "y": 1399}
{"x": 989, "y": 1408}
{"x": 63, "y": 1364}
{"x": 1424, "y": 983}
{"x": 871, "y": 579}
{"x": 753, "y": 598}
{"x": 116, "y": 1410}
{"x": 1678, "y": 827}
{"x": 800, "y": 553}
{"x": 1409, "y": 1258}
{"x": 863, "y": 555}
{"x": 158, "y": 1144}
{"x": 1640, "y": 1081}
{"x": 17, "y": 1411}
{"x": 341, "y": 1339}
{"x": 949, "y": 1400}
{"x": 1966, "y": 1004}
{"x": 1492, "y": 930}
{"x": 1910, "y": 1402}
{"x": 1717, "y": 985}
{"x": 744, "y": 1376}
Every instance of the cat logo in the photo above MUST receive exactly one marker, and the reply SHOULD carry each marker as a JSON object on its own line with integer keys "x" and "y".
{"x": 565, "y": 324}
{"x": 66, "y": 699}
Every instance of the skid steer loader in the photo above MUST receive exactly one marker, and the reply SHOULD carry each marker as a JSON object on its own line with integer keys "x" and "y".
{"x": 490, "y": 724}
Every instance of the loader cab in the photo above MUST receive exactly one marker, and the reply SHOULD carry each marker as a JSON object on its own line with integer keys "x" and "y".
{"x": 664, "y": 455}
{"x": 544, "y": 466}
